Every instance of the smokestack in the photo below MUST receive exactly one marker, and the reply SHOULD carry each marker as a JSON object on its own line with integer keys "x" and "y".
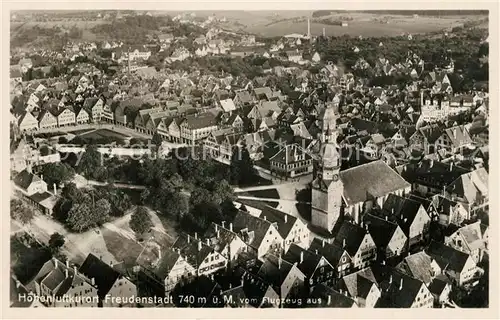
{"x": 343, "y": 243}
{"x": 208, "y": 242}
{"x": 286, "y": 218}
{"x": 401, "y": 284}
{"x": 216, "y": 228}
{"x": 301, "y": 256}
{"x": 451, "y": 166}
{"x": 432, "y": 163}
{"x": 196, "y": 235}
{"x": 309, "y": 28}
{"x": 390, "y": 278}
{"x": 218, "y": 233}
{"x": 55, "y": 189}
{"x": 223, "y": 224}
{"x": 55, "y": 263}
{"x": 386, "y": 218}
{"x": 231, "y": 227}
{"x": 92, "y": 281}
{"x": 189, "y": 238}
{"x": 74, "y": 270}
{"x": 422, "y": 97}
{"x": 199, "y": 245}
{"x": 279, "y": 262}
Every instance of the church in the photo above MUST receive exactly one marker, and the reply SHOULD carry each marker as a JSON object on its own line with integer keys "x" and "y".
{"x": 337, "y": 193}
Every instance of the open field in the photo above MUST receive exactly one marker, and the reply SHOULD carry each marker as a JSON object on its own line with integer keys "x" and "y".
{"x": 367, "y": 25}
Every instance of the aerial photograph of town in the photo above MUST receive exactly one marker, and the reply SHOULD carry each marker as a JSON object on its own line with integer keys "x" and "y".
{"x": 249, "y": 159}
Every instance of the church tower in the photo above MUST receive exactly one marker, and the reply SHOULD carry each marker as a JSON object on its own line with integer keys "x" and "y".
{"x": 327, "y": 187}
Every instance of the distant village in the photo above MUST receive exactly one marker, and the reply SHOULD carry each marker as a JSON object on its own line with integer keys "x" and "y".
{"x": 396, "y": 178}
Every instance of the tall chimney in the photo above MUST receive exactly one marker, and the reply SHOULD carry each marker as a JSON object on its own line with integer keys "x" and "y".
{"x": 231, "y": 227}
{"x": 301, "y": 256}
{"x": 218, "y": 233}
{"x": 92, "y": 281}
{"x": 386, "y": 218}
{"x": 74, "y": 270}
{"x": 67, "y": 263}
{"x": 422, "y": 97}
{"x": 223, "y": 224}
{"x": 66, "y": 273}
{"x": 401, "y": 284}
{"x": 264, "y": 217}
{"x": 390, "y": 278}
{"x": 451, "y": 166}
{"x": 55, "y": 263}
{"x": 199, "y": 245}
{"x": 343, "y": 243}
{"x": 208, "y": 241}
{"x": 216, "y": 228}
{"x": 279, "y": 262}
{"x": 196, "y": 235}
{"x": 309, "y": 28}
{"x": 189, "y": 238}
{"x": 55, "y": 189}
{"x": 323, "y": 242}
{"x": 286, "y": 218}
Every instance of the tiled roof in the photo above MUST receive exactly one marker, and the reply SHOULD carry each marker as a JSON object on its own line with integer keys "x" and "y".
{"x": 330, "y": 298}
{"x": 24, "y": 179}
{"x": 105, "y": 276}
{"x": 283, "y": 220}
{"x": 352, "y": 236}
{"x": 374, "y": 179}
{"x": 447, "y": 257}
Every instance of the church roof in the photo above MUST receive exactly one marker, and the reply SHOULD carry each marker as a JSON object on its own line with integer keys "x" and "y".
{"x": 375, "y": 179}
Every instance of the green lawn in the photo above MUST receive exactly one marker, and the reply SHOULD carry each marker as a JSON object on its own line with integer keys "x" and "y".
{"x": 123, "y": 249}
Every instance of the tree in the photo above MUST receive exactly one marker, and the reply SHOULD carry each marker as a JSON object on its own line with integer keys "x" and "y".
{"x": 20, "y": 212}
{"x": 140, "y": 221}
{"x": 156, "y": 139}
{"x": 90, "y": 161}
{"x": 241, "y": 167}
{"x": 200, "y": 195}
{"x": 58, "y": 173}
{"x": 85, "y": 215}
{"x": 103, "y": 209}
{"x": 56, "y": 241}
{"x": 81, "y": 217}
